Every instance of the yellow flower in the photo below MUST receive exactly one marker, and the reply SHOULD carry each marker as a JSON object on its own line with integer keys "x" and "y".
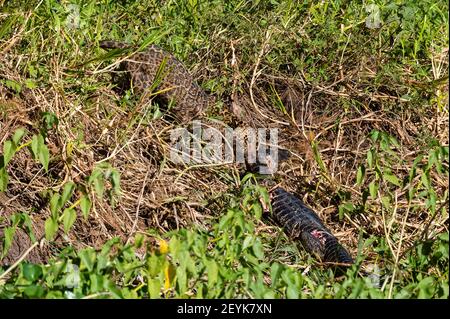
{"x": 163, "y": 247}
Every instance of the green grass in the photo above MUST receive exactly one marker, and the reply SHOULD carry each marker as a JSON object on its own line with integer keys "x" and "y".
{"x": 376, "y": 97}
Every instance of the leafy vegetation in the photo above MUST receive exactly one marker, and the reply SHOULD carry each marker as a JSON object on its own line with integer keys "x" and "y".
{"x": 228, "y": 262}
{"x": 85, "y": 179}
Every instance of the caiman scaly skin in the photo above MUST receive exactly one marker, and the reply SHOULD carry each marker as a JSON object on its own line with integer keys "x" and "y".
{"x": 302, "y": 223}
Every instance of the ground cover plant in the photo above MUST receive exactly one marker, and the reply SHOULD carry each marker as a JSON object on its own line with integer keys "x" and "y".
{"x": 91, "y": 206}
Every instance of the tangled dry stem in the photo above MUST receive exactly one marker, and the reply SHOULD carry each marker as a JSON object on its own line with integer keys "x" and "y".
{"x": 157, "y": 193}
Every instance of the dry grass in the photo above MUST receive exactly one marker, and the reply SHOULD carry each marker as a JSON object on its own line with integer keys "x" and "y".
{"x": 156, "y": 193}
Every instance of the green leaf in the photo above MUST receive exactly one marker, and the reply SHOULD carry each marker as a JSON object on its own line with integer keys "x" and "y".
{"x": 444, "y": 237}
{"x": 247, "y": 242}
{"x": 426, "y": 179}
{"x": 384, "y": 145}
{"x": 87, "y": 257}
{"x": 264, "y": 194}
{"x": 157, "y": 113}
{"x": 55, "y": 205}
{"x": 360, "y": 174}
{"x": 31, "y": 272}
{"x": 386, "y": 201}
{"x": 154, "y": 288}
{"x": 67, "y": 193}
{"x": 257, "y": 210}
{"x": 394, "y": 141}
{"x": 190, "y": 265}
{"x": 112, "y": 288}
{"x": 44, "y": 156}
{"x": 246, "y": 199}
{"x": 3, "y": 179}
{"x": 213, "y": 272}
{"x": 432, "y": 159}
{"x": 35, "y": 145}
{"x": 69, "y": 216}
{"x": 437, "y": 154}
{"x": 318, "y": 158}
{"x": 50, "y": 120}
{"x": 275, "y": 272}
{"x": 16, "y": 219}
{"x": 85, "y": 205}
{"x": 9, "y": 148}
{"x": 40, "y": 150}
{"x": 412, "y": 172}
{"x": 109, "y": 245}
{"x": 103, "y": 258}
{"x": 373, "y": 189}
{"x": 391, "y": 178}
{"x": 374, "y": 134}
{"x": 34, "y": 291}
{"x": 431, "y": 201}
{"x": 28, "y": 223}
{"x": 370, "y": 158}
{"x": 96, "y": 173}
{"x": 51, "y": 227}
{"x": 292, "y": 292}
{"x": 13, "y": 85}
{"x": 8, "y": 235}
{"x": 258, "y": 249}
{"x": 426, "y": 288}
{"x": 138, "y": 240}
{"x": 99, "y": 186}
{"x": 181, "y": 279}
{"x": 346, "y": 207}
{"x": 411, "y": 193}
{"x": 115, "y": 181}
{"x": 225, "y": 220}
{"x": 247, "y": 177}
{"x": 96, "y": 282}
{"x": 30, "y": 84}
